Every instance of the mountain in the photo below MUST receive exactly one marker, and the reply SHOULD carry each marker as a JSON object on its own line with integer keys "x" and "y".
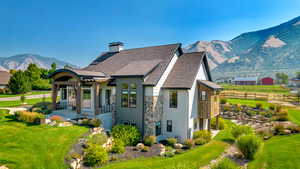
{"x": 21, "y": 61}
{"x": 259, "y": 53}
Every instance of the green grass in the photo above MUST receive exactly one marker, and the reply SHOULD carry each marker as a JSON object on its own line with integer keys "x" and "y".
{"x": 280, "y": 152}
{"x": 294, "y": 115}
{"x": 193, "y": 159}
{"x": 27, "y": 94}
{"x": 251, "y": 103}
{"x": 16, "y": 103}
{"x": 35, "y": 147}
{"x": 258, "y": 88}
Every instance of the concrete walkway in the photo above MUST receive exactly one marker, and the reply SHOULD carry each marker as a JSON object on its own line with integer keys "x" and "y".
{"x": 27, "y": 97}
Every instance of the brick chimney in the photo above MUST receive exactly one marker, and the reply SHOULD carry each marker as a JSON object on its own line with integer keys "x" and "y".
{"x": 115, "y": 46}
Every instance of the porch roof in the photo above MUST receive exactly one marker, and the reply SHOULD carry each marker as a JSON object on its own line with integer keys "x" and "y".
{"x": 210, "y": 84}
{"x": 80, "y": 73}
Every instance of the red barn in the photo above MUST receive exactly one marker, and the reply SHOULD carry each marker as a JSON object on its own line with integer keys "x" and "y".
{"x": 267, "y": 81}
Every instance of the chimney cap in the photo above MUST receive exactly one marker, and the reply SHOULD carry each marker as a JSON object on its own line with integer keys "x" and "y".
{"x": 116, "y": 43}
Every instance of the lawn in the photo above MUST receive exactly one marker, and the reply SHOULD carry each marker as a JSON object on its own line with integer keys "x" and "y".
{"x": 27, "y": 94}
{"x": 192, "y": 159}
{"x": 258, "y": 88}
{"x": 16, "y": 103}
{"x": 280, "y": 152}
{"x": 34, "y": 146}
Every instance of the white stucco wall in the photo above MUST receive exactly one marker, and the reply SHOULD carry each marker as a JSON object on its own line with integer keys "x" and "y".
{"x": 179, "y": 115}
{"x": 193, "y": 98}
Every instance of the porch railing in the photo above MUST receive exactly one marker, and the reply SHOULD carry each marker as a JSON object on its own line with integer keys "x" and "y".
{"x": 107, "y": 108}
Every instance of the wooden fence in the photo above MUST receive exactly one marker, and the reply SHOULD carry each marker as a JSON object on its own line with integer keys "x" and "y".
{"x": 258, "y": 96}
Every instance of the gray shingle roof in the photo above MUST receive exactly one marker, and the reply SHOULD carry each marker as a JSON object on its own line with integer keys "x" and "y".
{"x": 4, "y": 77}
{"x": 137, "y": 68}
{"x": 210, "y": 84}
{"x": 111, "y": 63}
{"x": 184, "y": 71}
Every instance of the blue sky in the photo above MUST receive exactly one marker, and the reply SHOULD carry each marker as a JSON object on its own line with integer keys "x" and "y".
{"x": 78, "y": 30}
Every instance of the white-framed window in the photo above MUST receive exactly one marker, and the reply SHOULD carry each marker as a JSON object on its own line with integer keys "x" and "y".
{"x": 132, "y": 95}
{"x": 173, "y": 99}
{"x": 203, "y": 95}
{"x": 158, "y": 128}
{"x": 124, "y": 95}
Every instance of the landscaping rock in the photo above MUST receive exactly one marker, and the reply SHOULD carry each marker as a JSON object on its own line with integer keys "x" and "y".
{"x": 178, "y": 146}
{"x": 108, "y": 144}
{"x": 52, "y": 123}
{"x": 286, "y": 131}
{"x": 3, "y": 167}
{"x": 140, "y": 146}
{"x": 96, "y": 130}
{"x": 162, "y": 150}
{"x": 75, "y": 164}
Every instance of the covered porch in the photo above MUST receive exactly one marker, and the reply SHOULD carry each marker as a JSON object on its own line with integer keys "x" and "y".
{"x": 79, "y": 94}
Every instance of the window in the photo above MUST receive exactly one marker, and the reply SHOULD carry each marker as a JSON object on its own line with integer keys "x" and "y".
{"x": 158, "y": 128}
{"x": 124, "y": 95}
{"x": 100, "y": 98}
{"x": 169, "y": 125}
{"x": 107, "y": 96}
{"x": 195, "y": 124}
{"x": 173, "y": 99}
{"x": 132, "y": 96}
{"x": 203, "y": 95}
{"x": 63, "y": 93}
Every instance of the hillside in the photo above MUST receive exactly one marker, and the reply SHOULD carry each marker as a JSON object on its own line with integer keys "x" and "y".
{"x": 21, "y": 61}
{"x": 258, "y": 53}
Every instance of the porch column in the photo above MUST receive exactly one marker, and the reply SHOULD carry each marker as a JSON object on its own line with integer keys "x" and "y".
{"x": 217, "y": 122}
{"x": 78, "y": 98}
{"x": 96, "y": 99}
{"x": 54, "y": 95}
{"x": 208, "y": 124}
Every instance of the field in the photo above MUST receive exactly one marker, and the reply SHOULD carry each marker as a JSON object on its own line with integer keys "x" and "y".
{"x": 16, "y": 103}
{"x": 34, "y": 146}
{"x": 27, "y": 94}
{"x": 257, "y": 88}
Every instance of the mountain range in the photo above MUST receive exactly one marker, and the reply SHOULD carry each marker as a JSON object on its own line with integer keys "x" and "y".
{"x": 21, "y": 61}
{"x": 259, "y": 53}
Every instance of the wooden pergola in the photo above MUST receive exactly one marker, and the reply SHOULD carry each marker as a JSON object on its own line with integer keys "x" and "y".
{"x": 78, "y": 78}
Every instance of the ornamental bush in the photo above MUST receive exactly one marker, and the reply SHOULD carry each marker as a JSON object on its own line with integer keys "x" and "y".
{"x": 213, "y": 123}
{"x": 249, "y": 145}
{"x": 29, "y": 117}
{"x": 202, "y": 134}
{"x": 239, "y": 130}
{"x": 149, "y": 140}
{"x": 98, "y": 139}
{"x": 95, "y": 155}
{"x": 189, "y": 143}
{"x": 128, "y": 134}
{"x": 225, "y": 164}
{"x": 118, "y": 147}
{"x": 171, "y": 141}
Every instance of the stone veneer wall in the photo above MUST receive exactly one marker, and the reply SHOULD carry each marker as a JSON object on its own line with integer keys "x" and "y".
{"x": 113, "y": 102}
{"x": 153, "y": 113}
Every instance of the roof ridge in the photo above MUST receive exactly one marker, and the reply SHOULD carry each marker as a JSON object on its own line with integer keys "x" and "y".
{"x": 151, "y": 46}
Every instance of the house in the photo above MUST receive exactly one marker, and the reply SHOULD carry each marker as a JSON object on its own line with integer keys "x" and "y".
{"x": 159, "y": 89}
{"x": 294, "y": 82}
{"x": 245, "y": 80}
{"x": 267, "y": 81}
{"x": 4, "y": 79}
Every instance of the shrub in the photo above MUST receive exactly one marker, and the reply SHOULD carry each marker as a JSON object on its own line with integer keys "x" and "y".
{"x": 223, "y": 101}
{"x": 278, "y": 108}
{"x": 95, "y": 122}
{"x": 113, "y": 158}
{"x": 200, "y": 141}
{"x": 202, "y": 134}
{"x": 213, "y": 123}
{"x": 281, "y": 116}
{"x": 57, "y": 118}
{"x": 179, "y": 151}
{"x": 225, "y": 164}
{"x": 171, "y": 141}
{"x": 239, "y": 130}
{"x": 95, "y": 155}
{"x": 128, "y": 134}
{"x": 19, "y": 83}
{"x": 251, "y": 112}
{"x": 272, "y": 107}
{"x": 279, "y": 129}
{"x": 22, "y": 99}
{"x": 258, "y": 105}
{"x": 145, "y": 149}
{"x": 169, "y": 154}
{"x": 293, "y": 128}
{"x": 237, "y": 108}
{"x": 189, "y": 143}
{"x": 149, "y": 140}
{"x": 226, "y": 108}
{"x": 29, "y": 117}
{"x": 98, "y": 139}
{"x": 249, "y": 145}
{"x": 118, "y": 147}
{"x": 75, "y": 156}
{"x": 265, "y": 134}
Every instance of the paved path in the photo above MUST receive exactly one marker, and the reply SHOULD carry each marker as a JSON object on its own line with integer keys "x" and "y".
{"x": 27, "y": 97}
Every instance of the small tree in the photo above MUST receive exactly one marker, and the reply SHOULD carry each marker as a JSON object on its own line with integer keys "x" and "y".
{"x": 19, "y": 83}
{"x": 22, "y": 99}
{"x": 282, "y": 78}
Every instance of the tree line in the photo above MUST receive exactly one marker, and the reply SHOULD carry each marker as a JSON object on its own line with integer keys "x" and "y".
{"x": 33, "y": 78}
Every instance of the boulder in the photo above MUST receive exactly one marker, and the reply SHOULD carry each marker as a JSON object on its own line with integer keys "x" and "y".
{"x": 162, "y": 149}
{"x": 286, "y": 131}
{"x": 140, "y": 146}
{"x": 75, "y": 164}
{"x": 3, "y": 167}
{"x": 178, "y": 146}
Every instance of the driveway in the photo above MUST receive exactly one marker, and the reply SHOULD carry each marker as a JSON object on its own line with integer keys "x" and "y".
{"x": 27, "y": 97}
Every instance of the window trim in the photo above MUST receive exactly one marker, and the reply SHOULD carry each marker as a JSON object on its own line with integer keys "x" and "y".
{"x": 132, "y": 91}
{"x": 203, "y": 93}
{"x": 158, "y": 128}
